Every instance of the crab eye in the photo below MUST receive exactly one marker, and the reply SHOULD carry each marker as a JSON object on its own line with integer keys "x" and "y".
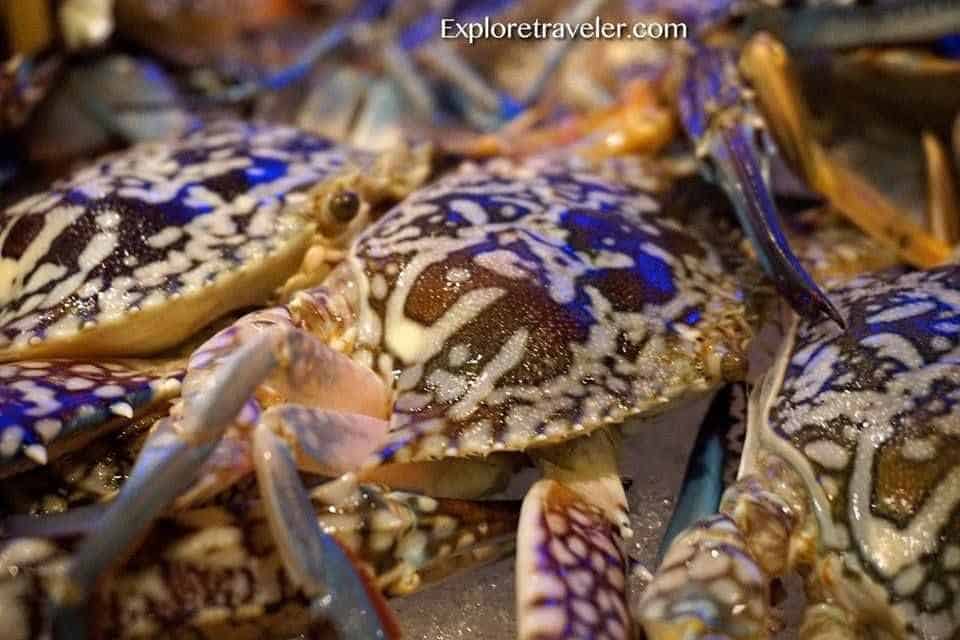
{"x": 344, "y": 206}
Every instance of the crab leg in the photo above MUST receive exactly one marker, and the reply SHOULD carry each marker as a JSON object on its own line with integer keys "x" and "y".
{"x": 554, "y": 51}
{"x": 765, "y": 63}
{"x": 223, "y": 374}
{"x": 570, "y": 563}
{"x": 291, "y": 364}
{"x": 943, "y": 215}
{"x": 715, "y": 578}
{"x": 716, "y": 114}
{"x": 713, "y": 462}
{"x": 313, "y": 559}
{"x": 168, "y": 464}
{"x": 326, "y": 442}
{"x": 163, "y": 470}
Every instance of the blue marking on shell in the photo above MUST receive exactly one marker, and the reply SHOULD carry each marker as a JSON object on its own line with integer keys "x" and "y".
{"x": 909, "y": 307}
{"x": 47, "y": 402}
{"x": 605, "y": 233}
{"x": 136, "y": 228}
{"x": 582, "y": 285}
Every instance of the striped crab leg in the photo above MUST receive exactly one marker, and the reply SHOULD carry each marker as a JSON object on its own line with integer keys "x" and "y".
{"x": 718, "y": 116}
{"x": 715, "y": 578}
{"x": 571, "y": 565}
{"x": 214, "y": 570}
{"x": 345, "y": 405}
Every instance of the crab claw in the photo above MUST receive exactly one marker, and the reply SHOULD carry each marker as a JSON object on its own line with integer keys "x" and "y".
{"x": 718, "y": 118}
{"x": 261, "y": 352}
{"x": 570, "y": 576}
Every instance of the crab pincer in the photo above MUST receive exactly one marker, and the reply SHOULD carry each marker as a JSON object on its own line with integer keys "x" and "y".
{"x": 719, "y": 118}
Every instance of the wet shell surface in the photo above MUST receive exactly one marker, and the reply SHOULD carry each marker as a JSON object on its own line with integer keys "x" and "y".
{"x": 48, "y": 403}
{"x": 870, "y": 418}
{"x": 138, "y": 250}
{"x": 521, "y": 304}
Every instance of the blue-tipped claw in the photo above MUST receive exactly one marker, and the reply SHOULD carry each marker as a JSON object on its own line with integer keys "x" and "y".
{"x": 719, "y": 119}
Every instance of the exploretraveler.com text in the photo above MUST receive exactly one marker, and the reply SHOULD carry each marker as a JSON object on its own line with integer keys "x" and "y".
{"x": 596, "y": 29}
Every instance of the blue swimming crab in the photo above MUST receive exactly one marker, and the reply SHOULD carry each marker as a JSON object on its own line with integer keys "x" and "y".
{"x": 141, "y": 251}
{"x": 515, "y": 306}
{"x": 848, "y": 477}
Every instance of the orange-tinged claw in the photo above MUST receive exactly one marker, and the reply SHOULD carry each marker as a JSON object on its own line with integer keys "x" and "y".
{"x": 640, "y": 123}
{"x": 764, "y": 62}
{"x": 943, "y": 217}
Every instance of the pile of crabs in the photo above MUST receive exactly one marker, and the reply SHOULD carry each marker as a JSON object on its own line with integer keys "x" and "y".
{"x": 253, "y": 381}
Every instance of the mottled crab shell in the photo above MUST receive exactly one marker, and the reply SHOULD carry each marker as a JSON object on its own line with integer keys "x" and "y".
{"x": 137, "y": 251}
{"x": 522, "y": 304}
{"x": 61, "y": 403}
{"x": 870, "y": 420}
{"x": 214, "y": 572}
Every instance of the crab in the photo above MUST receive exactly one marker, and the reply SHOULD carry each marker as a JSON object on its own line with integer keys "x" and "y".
{"x": 50, "y": 407}
{"x": 848, "y": 476}
{"x": 141, "y": 251}
{"x": 516, "y": 306}
{"x": 699, "y": 86}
